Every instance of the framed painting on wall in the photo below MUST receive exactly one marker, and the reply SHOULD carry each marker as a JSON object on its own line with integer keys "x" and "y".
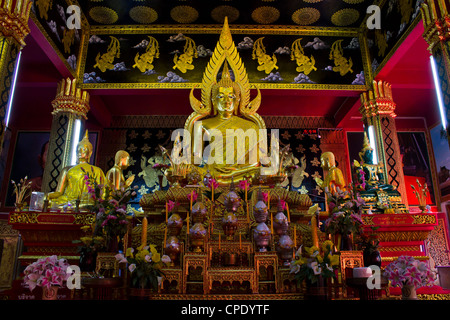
{"x": 442, "y": 157}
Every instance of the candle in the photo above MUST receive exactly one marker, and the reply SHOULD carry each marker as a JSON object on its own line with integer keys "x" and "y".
{"x": 240, "y": 240}
{"x": 192, "y": 197}
{"x": 295, "y": 237}
{"x": 315, "y": 238}
{"x": 187, "y": 223}
{"x": 219, "y": 241}
{"x": 144, "y": 232}
{"x": 289, "y": 216}
{"x": 165, "y": 237}
{"x": 246, "y": 203}
{"x": 167, "y": 211}
{"x": 268, "y": 200}
{"x": 271, "y": 222}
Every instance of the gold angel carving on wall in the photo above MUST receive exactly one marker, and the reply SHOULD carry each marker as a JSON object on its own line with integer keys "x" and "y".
{"x": 341, "y": 64}
{"x": 144, "y": 62}
{"x": 304, "y": 63}
{"x": 105, "y": 61}
{"x": 265, "y": 62}
{"x": 184, "y": 61}
{"x": 44, "y": 6}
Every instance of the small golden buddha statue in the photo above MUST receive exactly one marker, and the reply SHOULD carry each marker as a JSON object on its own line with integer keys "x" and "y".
{"x": 72, "y": 185}
{"x": 115, "y": 174}
{"x": 334, "y": 177}
{"x": 369, "y": 175}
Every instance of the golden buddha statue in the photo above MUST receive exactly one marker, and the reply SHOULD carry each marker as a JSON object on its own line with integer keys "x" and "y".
{"x": 228, "y": 118}
{"x": 115, "y": 174}
{"x": 334, "y": 177}
{"x": 72, "y": 185}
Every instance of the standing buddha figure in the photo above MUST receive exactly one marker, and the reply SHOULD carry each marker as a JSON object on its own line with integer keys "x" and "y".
{"x": 72, "y": 185}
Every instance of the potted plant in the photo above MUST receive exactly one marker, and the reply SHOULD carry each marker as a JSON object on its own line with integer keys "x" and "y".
{"x": 50, "y": 273}
{"x": 315, "y": 266}
{"x": 345, "y": 216}
{"x": 145, "y": 266}
{"x": 409, "y": 274}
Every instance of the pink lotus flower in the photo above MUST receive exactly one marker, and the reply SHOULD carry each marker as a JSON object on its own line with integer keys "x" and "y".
{"x": 212, "y": 183}
{"x": 171, "y": 205}
{"x": 265, "y": 196}
{"x": 194, "y": 196}
{"x": 243, "y": 184}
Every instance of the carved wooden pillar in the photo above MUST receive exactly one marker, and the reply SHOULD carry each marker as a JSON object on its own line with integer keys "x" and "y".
{"x": 14, "y": 28}
{"x": 70, "y": 109}
{"x": 377, "y": 110}
{"x": 436, "y": 21}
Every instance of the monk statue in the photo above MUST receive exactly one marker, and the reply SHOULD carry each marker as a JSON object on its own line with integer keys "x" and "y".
{"x": 334, "y": 177}
{"x": 369, "y": 175}
{"x": 225, "y": 127}
{"x": 115, "y": 174}
{"x": 72, "y": 185}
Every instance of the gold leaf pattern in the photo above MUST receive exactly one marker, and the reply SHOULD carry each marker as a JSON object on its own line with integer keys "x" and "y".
{"x": 265, "y": 15}
{"x": 345, "y": 17}
{"x": 184, "y": 14}
{"x": 103, "y": 15}
{"x": 219, "y": 13}
{"x": 306, "y": 16}
{"x": 143, "y": 14}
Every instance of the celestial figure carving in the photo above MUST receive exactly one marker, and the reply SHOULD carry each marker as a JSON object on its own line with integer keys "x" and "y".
{"x": 105, "y": 61}
{"x": 144, "y": 62}
{"x": 266, "y": 63}
{"x": 184, "y": 61}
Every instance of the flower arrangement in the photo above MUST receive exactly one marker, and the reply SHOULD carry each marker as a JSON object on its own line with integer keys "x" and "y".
{"x": 313, "y": 262}
{"x": 345, "y": 212}
{"x": 46, "y": 272}
{"x": 110, "y": 205}
{"x": 407, "y": 271}
{"x": 421, "y": 194}
{"x": 145, "y": 265}
{"x": 22, "y": 190}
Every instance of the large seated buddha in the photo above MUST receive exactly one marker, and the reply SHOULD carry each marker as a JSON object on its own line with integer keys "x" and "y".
{"x": 224, "y": 126}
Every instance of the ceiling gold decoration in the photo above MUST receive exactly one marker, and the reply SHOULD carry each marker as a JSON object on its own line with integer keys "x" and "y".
{"x": 144, "y": 15}
{"x": 219, "y": 13}
{"x": 313, "y": 1}
{"x": 354, "y": 1}
{"x": 306, "y": 16}
{"x": 103, "y": 15}
{"x": 345, "y": 17}
{"x": 265, "y": 15}
{"x": 184, "y": 14}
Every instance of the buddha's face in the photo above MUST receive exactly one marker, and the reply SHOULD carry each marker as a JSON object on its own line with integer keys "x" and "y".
{"x": 84, "y": 153}
{"x": 124, "y": 162}
{"x": 327, "y": 161}
{"x": 225, "y": 101}
{"x": 367, "y": 157}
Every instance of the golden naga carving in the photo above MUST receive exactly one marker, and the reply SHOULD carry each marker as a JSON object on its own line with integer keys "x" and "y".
{"x": 105, "y": 61}
{"x": 341, "y": 64}
{"x": 184, "y": 61}
{"x": 266, "y": 63}
{"x": 304, "y": 63}
{"x": 144, "y": 62}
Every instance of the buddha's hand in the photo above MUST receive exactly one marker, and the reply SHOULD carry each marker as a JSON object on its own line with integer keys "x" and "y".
{"x": 54, "y": 195}
{"x": 318, "y": 181}
{"x": 129, "y": 181}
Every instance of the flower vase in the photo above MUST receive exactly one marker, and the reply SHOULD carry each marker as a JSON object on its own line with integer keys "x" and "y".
{"x": 317, "y": 290}
{"x": 88, "y": 261}
{"x": 19, "y": 206}
{"x": 112, "y": 244}
{"x": 50, "y": 293}
{"x": 409, "y": 292}
{"x": 372, "y": 257}
{"x": 345, "y": 242}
